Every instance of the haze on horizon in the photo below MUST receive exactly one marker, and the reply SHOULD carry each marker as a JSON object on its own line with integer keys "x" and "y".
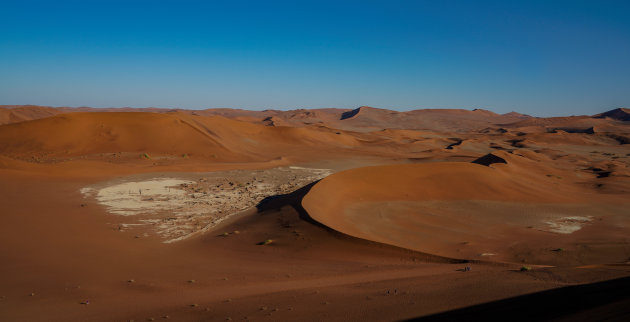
{"x": 534, "y": 57}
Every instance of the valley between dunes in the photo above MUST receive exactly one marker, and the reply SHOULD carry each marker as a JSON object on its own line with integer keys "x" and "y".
{"x": 312, "y": 215}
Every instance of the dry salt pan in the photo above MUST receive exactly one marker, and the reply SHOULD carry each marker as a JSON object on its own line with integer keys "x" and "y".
{"x": 133, "y": 198}
{"x": 568, "y": 225}
{"x": 177, "y": 209}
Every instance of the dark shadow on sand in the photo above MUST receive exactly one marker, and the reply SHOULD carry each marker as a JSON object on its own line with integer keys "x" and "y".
{"x": 601, "y": 301}
{"x": 293, "y": 199}
{"x": 489, "y": 159}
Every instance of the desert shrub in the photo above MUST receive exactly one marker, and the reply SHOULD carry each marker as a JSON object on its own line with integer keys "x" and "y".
{"x": 266, "y": 242}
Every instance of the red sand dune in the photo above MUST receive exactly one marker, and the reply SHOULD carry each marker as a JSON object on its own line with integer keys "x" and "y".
{"x": 457, "y": 210}
{"x": 174, "y": 134}
{"x": 77, "y": 134}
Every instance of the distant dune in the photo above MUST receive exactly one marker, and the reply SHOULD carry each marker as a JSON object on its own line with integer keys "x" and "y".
{"x": 568, "y": 124}
{"x": 173, "y": 134}
{"x": 446, "y": 120}
{"x": 15, "y": 114}
{"x": 362, "y": 119}
{"x": 620, "y": 114}
{"x": 76, "y": 134}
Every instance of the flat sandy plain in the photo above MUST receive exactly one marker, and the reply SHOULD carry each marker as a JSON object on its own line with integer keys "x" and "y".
{"x": 312, "y": 215}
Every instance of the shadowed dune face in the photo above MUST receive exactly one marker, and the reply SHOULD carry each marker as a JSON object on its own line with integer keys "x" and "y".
{"x": 621, "y": 114}
{"x": 489, "y": 159}
{"x": 457, "y": 210}
{"x": 596, "y": 301}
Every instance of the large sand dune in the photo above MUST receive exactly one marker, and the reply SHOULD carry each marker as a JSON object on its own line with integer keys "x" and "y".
{"x": 173, "y": 135}
{"x": 461, "y": 210}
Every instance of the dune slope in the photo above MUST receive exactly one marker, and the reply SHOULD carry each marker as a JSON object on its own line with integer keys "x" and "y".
{"x": 15, "y": 114}
{"x": 168, "y": 135}
{"x": 89, "y": 133}
{"x": 456, "y": 209}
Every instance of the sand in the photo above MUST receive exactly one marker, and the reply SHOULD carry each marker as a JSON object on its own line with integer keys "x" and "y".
{"x": 400, "y": 226}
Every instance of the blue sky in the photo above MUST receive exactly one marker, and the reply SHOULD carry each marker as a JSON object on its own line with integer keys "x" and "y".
{"x": 538, "y": 57}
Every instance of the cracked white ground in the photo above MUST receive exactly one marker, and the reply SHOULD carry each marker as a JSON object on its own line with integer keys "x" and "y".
{"x": 181, "y": 206}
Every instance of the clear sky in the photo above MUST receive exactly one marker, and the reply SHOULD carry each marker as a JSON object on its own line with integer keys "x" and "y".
{"x": 537, "y": 57}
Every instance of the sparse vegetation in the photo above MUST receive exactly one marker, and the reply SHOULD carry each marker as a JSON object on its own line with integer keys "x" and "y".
{"x": 146, "y": 156}
{"x": 266, "y": 242}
